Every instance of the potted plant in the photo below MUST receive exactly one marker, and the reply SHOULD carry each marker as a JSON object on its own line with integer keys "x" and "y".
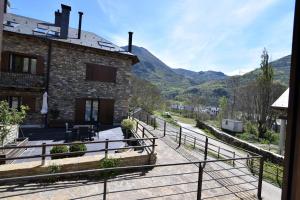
{"x": 127, "y": 125}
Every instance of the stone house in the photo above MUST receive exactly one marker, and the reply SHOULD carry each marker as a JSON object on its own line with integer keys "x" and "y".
{"x": 87, "y": 78}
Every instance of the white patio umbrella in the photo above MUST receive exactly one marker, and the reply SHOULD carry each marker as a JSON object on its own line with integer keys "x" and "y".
{"x": 45, "y": 104}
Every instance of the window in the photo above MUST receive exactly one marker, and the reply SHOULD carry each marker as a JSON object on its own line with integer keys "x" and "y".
{"x": 100, "y": 73}
{"x": 22, "y": 64}
{"x": 14, "y": 102}
{"x": 91, "y": 110}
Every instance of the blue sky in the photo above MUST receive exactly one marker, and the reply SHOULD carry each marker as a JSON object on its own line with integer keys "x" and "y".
{"x": 221, "y": 35}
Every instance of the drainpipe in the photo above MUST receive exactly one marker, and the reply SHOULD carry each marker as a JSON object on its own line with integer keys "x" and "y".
{"x": 48, "y": 78}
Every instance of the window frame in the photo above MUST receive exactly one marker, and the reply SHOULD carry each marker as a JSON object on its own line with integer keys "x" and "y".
{"x": 12, "y": 63}
{"x": 91, "y": 110}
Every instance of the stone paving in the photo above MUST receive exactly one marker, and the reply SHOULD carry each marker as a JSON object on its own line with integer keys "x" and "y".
{"x": 172, "y": 182}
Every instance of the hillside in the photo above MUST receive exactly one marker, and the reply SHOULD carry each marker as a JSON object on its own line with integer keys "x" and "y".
{"x": 152, "y": 69}
{"x": 179, "y": 83}
{"x": 281, "y": 71}
{"x": 201, "y": 77}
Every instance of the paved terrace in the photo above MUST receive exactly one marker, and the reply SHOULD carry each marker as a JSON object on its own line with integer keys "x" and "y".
{"x": 179, "y": 182}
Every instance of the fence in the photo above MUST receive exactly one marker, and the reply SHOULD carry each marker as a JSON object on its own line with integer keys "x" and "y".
{"x": 149, "y": 146}
{"x": 199, "y": 182}
{"x": 208, "y": 145}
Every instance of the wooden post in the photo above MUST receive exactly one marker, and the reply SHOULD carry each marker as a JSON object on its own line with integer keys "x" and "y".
{"x": 106, "y": 147}
{"x": 43, "y": 153}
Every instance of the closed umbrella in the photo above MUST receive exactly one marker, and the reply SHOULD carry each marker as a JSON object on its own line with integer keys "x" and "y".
{"x": 45, "y": 104}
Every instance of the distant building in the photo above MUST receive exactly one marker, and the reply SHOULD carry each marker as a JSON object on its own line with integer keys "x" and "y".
{"x": 87, "y": 78}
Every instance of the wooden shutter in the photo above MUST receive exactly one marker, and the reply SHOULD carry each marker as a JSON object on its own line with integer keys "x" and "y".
{"x": 29, "y": 101}
{"x": 40, "y": 65}
{"x": 79, "y": 110}
{"x": 5, "y": 61}
{"x": 89, "y": 72}
{"x": 106, "y": 110}
{"x": 101, "y": 73}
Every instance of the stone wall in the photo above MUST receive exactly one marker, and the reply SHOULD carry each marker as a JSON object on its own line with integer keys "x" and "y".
{"x": 67, "y": 76}
{"x": 74, "y": 164}
{"x": 275, "y": 158}
{"x": 67, "y": 80}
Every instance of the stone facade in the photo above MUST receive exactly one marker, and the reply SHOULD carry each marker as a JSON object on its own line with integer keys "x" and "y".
{"x": 67, "y": 77}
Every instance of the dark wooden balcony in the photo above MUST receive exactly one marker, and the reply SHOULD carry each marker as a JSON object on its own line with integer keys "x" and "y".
{"x": 22, "y": 80}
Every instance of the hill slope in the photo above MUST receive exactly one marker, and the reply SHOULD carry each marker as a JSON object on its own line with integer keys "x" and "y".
{"x": 178, "y": 83}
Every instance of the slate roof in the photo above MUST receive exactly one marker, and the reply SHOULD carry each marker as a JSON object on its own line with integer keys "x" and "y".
{"x": 29, "y": 26}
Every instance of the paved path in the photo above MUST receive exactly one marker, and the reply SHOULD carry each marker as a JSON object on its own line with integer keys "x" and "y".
{"x": 179, "y": 182}
{"x": 269, "y": 191}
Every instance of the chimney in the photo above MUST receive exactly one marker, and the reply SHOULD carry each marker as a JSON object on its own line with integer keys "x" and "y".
{"x": 79, "y": 24}
{"x": 64, "y": 21}
{"x": 130, "y": 41}
{"x": 57, "y": 18}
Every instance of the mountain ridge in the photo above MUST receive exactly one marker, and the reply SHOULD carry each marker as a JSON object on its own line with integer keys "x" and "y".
{"x": 178, "y": 82}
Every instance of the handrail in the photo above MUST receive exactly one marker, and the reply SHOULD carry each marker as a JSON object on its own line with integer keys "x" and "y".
{"x": 200, "y": 164}
{"x": 67, "y": 144}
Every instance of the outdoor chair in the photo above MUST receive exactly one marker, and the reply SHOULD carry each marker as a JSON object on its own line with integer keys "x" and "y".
{"x": 84, "y": 132}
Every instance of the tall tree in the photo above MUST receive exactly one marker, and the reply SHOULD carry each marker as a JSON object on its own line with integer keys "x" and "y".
{"x": 233, "y": 84}
{"x": 223, "y": 112}
{"x": 264, "y": 89}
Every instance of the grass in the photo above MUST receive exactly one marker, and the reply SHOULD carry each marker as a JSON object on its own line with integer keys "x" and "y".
{"x": 183, "y": 119}
{"x": 273, "y": 173}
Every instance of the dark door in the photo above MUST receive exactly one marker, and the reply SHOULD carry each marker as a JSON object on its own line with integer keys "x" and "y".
{"x": 106, "y": 111}
{"x": 79, "y": 110}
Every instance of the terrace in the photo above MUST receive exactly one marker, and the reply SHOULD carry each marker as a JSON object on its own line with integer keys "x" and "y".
{"x": 178, "y": 173}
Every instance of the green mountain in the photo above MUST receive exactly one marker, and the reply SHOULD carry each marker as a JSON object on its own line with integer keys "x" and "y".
{"x": 281, "y": 69}
{"x": 179, "y": 83}
{"x": 202, "y": 76}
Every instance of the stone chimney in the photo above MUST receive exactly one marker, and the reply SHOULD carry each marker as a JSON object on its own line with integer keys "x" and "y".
{"x": 64, "y": 21}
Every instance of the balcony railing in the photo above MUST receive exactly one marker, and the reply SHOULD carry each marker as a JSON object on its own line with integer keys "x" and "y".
{"x": 21, "y": 80}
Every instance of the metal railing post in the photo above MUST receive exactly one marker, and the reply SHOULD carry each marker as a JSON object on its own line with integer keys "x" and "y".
{"x": 205, "y": 150}
{"x": 194, "y": 142}
{"x": 106, "y": 147}
{"x": 219, "y": 148}
{"x": 104, "y": 188}
{"x": 137, "y": 126}
{"x": 154, "y": 123}
{"x": 153, "y": 145}
{"x": 184, "y": 139}
{"x": 43, "y": 153}
{"x": 165, "y": 127}
{"x": 233, "y": 156}
{"x": 143, "y": 134}
{"x": 147, "y": 119}
{"x": 180, "y": 132}
{"x": 260, "y": 177}
{"x": 200, "y": 177}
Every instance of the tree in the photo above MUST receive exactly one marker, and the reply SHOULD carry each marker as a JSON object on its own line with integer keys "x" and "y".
{"x": 145, "y": 95}
{"x": 233, "y": 84}
{"x": 9, "y": 117}
{"x": 223, "y": 106}
{"x": 263, "y": 98}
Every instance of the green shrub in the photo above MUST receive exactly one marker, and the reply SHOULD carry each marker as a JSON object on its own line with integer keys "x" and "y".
{"x": 59, "y": 149}
{"x": 53, "y": 169}
{"x": 77, "y": 148}
{"x": 109, "y": 163}
{"x": 251, "y": 129}
{"x": 127, "y": 124}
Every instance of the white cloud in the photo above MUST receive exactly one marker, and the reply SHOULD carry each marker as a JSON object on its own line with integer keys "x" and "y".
{"x": 206, "y": 35}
